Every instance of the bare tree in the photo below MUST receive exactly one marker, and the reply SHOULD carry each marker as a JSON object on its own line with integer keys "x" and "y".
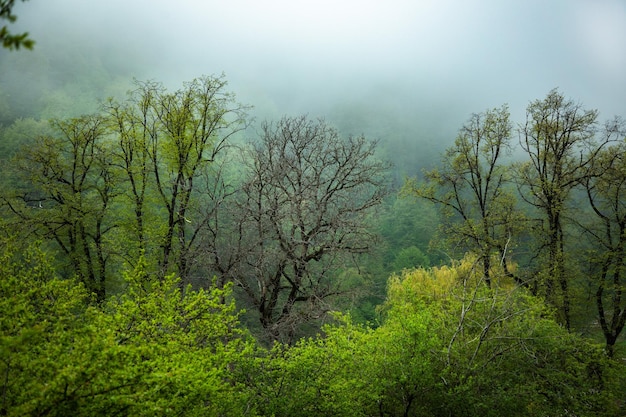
{"x": 301, "y": 214}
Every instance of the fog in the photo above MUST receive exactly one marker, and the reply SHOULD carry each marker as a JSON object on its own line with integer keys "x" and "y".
{"x": 410, "y": 71}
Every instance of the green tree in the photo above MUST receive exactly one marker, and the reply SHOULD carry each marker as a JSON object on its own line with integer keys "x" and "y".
{"x": 65, "y": 187}
{"x": 448, "y": 345}
{"x": 154, "y": 350}
{"x": 322, "y": 376}
{"x": 37, "y": 309}
{"x": 606, "y": 192}
{"x": 411, "y": 257}
{"x": 499, "y": 350}
{"x": 139, "y": 179}
{"x": 559, "y": 138}
{"x": 471, "y": 189}
{"x": 10, "y": 40}
{"x": 167, "y": 146}
{"x": 14, "y": 137}
{"x": 19, "y": 134}
{"x": 187, "y": 344}
{"x": 406, "y": 222}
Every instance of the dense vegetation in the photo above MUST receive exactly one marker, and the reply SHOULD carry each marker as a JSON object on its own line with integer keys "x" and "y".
{"x": 159, "y": 256}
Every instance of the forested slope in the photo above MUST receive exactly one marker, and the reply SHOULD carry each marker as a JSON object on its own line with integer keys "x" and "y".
{"x": 162, "y": 252}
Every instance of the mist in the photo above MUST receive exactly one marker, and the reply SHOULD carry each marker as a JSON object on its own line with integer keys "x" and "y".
{"x": 408, "y": 73}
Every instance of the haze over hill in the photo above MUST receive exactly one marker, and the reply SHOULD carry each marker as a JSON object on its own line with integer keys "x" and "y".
{"x": 407, "y": 72}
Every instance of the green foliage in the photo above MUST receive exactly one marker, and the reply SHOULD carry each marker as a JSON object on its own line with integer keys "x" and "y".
{"x": 19, "y": 134}
{"x": 64, "y": 188}
{"x": 501, "y": 350}
{"x": 606, "y": 191}
{"x": 134, "y": 179}
{"x": 448, "y": 345}
{"x": 559, "y": 138}
{"x": 407, "y": 222}
{"x": 410, "y": 257}
{"x": 470, "y": 189}
{"x": 189, "y": 343}
{"x": 406, "y": 226}
{"x": 167, "y": 145}
{"x": 42, "y": 325}
{"x": 10, "y": 40}
{"x": 317, "y": 377}
{"x": 146, "y": 184}
{"x": 15, "y": 137}
{"x": 155, "y": 350}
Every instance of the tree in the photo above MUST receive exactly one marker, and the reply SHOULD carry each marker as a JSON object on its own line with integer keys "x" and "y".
{"x": 493, "y": 350}
{"x": 154, "y": 350}
{"x": 406, "y": 222}
{"x": 301, "y": 214}
{"x": 606, "y": 192}
{"x": 447, "y": 345}
{"x": 64, "y": 194}
{"x": 167, "y": 145}
{"x": 559, "y": 138}
{"x": 471, "y": 189}
{"x": 329, "y": 375}
{"x": 411, "y": 257}
{"x": 139, "y": 179}
{"x": 9, "y": 40}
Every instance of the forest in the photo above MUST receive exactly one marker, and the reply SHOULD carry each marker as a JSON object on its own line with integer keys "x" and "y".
{"x": 166, "y": 253}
